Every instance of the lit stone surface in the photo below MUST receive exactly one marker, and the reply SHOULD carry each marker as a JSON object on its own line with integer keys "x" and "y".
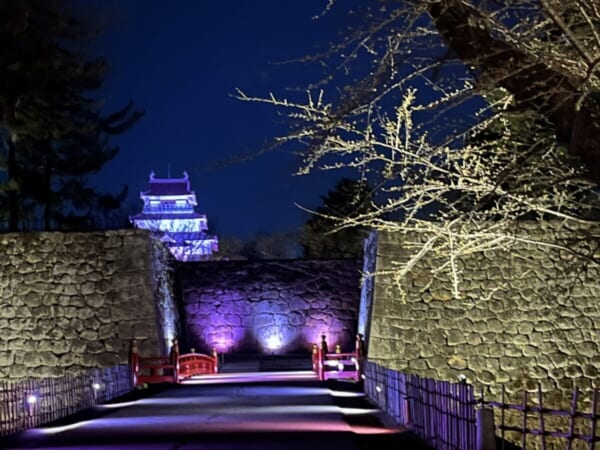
{"x": 541, "y": 326}
{"x": 75, "y": 300}
{"x": 271, "y": 306}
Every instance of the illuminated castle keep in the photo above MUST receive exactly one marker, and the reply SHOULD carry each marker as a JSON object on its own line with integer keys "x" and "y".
{"x": 169, "y": 213}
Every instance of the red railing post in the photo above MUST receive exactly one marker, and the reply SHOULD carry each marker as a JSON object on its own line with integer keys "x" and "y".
{"x": 215, "y": 359}
{"x": 315, "y": 358}
{"x": 134, "y": 362}
{"x": 175, "y": 360}
{"x": 323, "y": 350}
{"x": 359, "y": 351}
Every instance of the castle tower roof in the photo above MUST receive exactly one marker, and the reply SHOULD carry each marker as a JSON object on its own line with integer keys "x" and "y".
{"x": 169, "y": 213}
{"x": 168, "y": 186}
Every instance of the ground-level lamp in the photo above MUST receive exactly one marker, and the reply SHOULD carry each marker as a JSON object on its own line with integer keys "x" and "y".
{"x": 96, "y": 388}
{"x": 31, "y": 401}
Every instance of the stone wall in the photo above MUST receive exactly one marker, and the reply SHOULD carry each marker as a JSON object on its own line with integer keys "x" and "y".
{"x": 272, "y": 306}
{"x": 75, "y": 300}
{"x": 540, "y": 323}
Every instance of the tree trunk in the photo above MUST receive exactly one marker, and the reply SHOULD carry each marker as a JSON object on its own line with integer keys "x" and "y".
{"x": 534, "y": 85}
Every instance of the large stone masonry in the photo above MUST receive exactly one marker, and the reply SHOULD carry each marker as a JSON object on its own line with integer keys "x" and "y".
{"x": 540, "y": 324}
{"x": 75, "y": 300}
{"x": 270, "y": 306}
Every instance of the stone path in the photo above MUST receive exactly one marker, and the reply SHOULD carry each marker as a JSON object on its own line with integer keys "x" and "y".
{"x": 239, "y": 411}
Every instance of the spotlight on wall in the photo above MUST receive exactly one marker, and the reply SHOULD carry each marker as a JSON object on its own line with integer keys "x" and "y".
{"x": 96, "y": 386}
{"x": 274, "y": 343}
{"x": 378, "y": 388}
{"x": 223, "y": 345}
{"x": 31, "y": 399}
{"x": 340, "y": 367}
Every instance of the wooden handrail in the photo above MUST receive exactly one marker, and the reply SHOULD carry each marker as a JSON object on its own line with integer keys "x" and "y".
{"x": 171, "y": 369}
{"x": 322, "y": 358}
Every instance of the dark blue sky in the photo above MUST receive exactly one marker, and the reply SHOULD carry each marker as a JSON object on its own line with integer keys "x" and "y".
{"x": 180, "y": 61}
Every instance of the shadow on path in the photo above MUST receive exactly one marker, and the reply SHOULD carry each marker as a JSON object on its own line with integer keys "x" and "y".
{"x": 399, "y": 439}
{"x": 271, "y": 415}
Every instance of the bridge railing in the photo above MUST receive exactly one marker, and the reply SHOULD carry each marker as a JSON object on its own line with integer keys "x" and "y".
{"x": 31, "y": 402}
{"x": 191, "y": 364}
{"x": 338, "y": 365}
{"x": 171, "y": 369}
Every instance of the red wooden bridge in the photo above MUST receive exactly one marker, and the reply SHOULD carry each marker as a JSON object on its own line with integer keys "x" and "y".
{"x": 170, "y": 369}
{"x": 338, "y": 365}
{"x": 178, "y": 367}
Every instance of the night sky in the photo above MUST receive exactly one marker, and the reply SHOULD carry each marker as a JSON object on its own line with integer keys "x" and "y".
{"x": 181, "y": 62}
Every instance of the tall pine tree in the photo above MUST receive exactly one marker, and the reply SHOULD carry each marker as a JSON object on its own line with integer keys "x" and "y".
{"x": 52, "y": 129}
{"x": 325, "y": 235}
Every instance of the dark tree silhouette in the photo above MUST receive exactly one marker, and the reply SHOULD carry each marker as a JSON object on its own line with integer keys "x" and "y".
{"x": 329, "y": 233}
{"x": 468, "y": 116}
{"x": 53, "y": 132}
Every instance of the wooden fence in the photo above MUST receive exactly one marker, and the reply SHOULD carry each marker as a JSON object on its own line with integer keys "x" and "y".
{"x": 448, "y": 416}
{"x": 31, "y": 402}
{"x": 441, "y": 413}
{"x": 538, "y": 426}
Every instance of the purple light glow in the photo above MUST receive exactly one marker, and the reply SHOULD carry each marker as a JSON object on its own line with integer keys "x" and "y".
{"x": 154, "y": 425}
{"x": 239, "y": 409}
{"x": 274, "y": 343}
{"x": 223, "y": 332}
{"x": 249, "y": 377}
{"x": 223, "y": 345}
{"x": 232, "y": 407}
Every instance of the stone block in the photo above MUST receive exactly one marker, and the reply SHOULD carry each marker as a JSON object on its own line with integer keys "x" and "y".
{"x": 94, "y": 300}
{"x": 456, "y": 337}
{"x": 512, "y": 351}
{"x": 456, "y": 362}
{"x": 436, "y": 338}
{"x": 91, "y": 324}
{"x": 573, "y": 371}
{"x": 17, "y": 371}
{"x": 89, "y": 335}
{"x": 94, "y": 347}
{"x": 530, "y": 350}
{"x": 296, "y": 319}
{"x": 590, "y": 371}
{"x": 417, "y": 364}
{"x": 502, "y": 377}
{"x": 485, "y": 376}
{"x": 8, "y": 312}
{"x": 7, "y": 358}
{"x": 56, "y": 346}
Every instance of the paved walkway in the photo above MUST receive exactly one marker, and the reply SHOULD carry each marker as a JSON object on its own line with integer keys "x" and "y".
{"x": 237, "y": 411}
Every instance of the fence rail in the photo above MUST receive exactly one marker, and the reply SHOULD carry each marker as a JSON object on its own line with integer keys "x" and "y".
{"x": 31, "y": 402}
{"x": 542, "y": 416}
{"x": 338, "y": 365}
{"x": 440, "y": 412}
{"x": 449, "y": 416}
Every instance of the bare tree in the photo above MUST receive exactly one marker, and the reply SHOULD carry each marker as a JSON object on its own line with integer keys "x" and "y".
{"x": 470, "y": 118}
